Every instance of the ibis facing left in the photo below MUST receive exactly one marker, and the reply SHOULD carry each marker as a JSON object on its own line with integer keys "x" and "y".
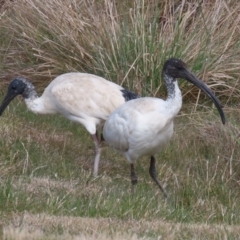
{"x": 80, "y": 97}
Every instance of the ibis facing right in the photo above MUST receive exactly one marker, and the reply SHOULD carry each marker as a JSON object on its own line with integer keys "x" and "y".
{"x": 143, "y": 126}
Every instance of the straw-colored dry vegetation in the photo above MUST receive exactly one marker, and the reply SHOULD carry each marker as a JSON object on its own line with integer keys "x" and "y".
{"x": 46, "y": 189}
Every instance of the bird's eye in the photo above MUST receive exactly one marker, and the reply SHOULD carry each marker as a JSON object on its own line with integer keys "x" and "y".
{"x": 14, "y": 87}
{"x": 179, "y": 67}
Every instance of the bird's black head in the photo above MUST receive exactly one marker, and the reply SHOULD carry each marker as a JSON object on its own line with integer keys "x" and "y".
{"x": 175, "y": 68}
{"x": 17, "y": 86}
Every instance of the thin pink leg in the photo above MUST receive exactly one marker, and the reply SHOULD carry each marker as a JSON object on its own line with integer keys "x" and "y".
{"x": 97, "y": 153}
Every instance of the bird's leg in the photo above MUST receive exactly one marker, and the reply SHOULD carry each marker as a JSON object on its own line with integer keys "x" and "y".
{"x": 133, "y": 177}
{"x": 152, "y": 172}
{"x": 102, "y": 138}
{"x": 97, "y": 153}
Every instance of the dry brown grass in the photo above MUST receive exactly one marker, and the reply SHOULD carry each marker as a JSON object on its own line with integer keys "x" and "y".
{"x": 126, "y": 42}
{"x": 41, "y": 225}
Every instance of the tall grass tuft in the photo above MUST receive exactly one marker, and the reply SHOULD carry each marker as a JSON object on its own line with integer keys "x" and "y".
{"x": 124, "y": 42}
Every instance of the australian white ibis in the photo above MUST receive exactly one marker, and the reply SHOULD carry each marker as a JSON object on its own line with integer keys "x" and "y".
{"x": 84, "y": 98}
{"x": 143, "y": 126}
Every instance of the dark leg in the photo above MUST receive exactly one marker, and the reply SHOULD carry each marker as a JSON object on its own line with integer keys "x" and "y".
{"x": 152, "y": 172}
{"x": 102, "y": 138}
{"x": 97, "y": 153}
{"x": 133, "y": 177}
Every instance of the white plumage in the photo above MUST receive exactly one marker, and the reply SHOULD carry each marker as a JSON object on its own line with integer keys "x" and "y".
{"x": 80, "y": 97}
{"x": 143, "y": 126}
{"x": 142, "y": 132}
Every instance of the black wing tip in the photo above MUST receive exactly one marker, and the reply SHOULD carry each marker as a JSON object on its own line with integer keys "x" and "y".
{"x": 128, "y": 95}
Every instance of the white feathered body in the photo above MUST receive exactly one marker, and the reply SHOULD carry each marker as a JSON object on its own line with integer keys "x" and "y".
{"x": 80, "y": 97}
{"x": 142, "y": 126}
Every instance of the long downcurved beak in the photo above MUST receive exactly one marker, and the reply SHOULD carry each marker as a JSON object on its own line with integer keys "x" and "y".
{"x": 7, "y": 99}
{"x": 194, "y": 80}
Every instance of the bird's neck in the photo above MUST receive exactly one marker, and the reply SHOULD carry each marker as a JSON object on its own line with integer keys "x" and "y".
{"x": 31, "y": 98}
{"x": 29, "y": 91}
{"x": 174, "y": 96}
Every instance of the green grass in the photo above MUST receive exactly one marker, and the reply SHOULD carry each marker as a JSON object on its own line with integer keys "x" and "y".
{"x": 46, "y": 169}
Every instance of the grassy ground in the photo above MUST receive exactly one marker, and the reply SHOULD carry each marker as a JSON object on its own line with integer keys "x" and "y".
{"x": 46, "y": 188}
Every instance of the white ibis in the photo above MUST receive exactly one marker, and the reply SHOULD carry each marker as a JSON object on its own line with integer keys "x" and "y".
{"x": 80, "y": 97}
{"x": 143, "y": 126}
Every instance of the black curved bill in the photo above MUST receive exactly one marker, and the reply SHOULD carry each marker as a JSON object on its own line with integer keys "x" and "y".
{"x": 194, "y": 80}
{"x": 8, "y": 98}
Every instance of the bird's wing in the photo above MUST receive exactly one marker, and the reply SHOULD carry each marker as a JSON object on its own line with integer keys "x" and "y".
{"x": 85, "y": 95}
{"x": 116, "y": 132}
{"x": 130, "y": 123}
